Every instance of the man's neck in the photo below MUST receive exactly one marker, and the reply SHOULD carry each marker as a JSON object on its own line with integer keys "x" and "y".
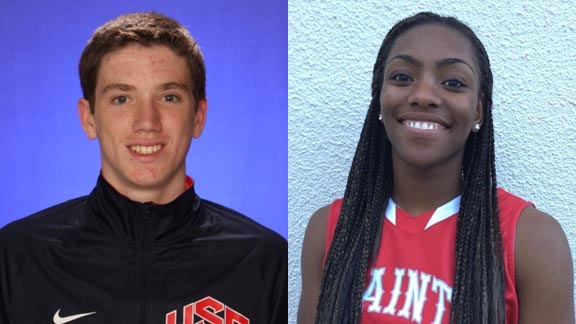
{"x": 158, "y": 193}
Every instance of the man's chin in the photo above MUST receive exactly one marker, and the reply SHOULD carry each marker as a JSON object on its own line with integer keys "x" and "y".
{"x": 148, "y": 182}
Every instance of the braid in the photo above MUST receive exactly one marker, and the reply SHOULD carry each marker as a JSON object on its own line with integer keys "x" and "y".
{"x": 367, "y": 191}
{"x": 478, "y": 292}
{"x": 479, "y": 259}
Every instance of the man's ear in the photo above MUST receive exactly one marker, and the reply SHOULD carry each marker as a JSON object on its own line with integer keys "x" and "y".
{"x": 200, "y": 118}
{"x": 87, "y": 119}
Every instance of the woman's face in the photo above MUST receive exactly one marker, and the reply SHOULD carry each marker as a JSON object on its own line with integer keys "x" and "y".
{"x": 430, "y": 96}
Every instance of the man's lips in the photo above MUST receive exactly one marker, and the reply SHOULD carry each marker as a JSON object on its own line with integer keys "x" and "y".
{"x": 145, "y": 149}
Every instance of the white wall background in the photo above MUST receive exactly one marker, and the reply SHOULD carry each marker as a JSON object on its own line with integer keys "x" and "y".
{"x": 332, "y": 49}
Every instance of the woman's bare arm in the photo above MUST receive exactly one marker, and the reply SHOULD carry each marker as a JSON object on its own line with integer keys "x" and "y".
{"x": 312, "y": 257}
{"x": 544, "y": 274}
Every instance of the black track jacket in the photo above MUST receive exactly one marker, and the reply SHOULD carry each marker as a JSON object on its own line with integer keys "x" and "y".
{"x": 106, "y": 259}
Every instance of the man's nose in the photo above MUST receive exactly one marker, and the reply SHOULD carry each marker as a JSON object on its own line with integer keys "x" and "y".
{"x": 147, "y": 117}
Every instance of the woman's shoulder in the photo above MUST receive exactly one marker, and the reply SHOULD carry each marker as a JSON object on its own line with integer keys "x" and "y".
{"x": 318, "y": 220}
{"x": 313, "y": 249}
{"x": 540, "y": 237}
{"x": 323, "y": 216}
{"x": 527, "y": 218}
{"x": 508, "y": 200}
{"x": 544, "y": 274}
{"x": 510, "y": 207}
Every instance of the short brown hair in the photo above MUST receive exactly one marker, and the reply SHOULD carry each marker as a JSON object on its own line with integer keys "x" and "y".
{"x": 143, "y": 28}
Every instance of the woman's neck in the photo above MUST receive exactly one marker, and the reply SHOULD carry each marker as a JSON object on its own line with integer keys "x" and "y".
{"x": 418, "y": 190}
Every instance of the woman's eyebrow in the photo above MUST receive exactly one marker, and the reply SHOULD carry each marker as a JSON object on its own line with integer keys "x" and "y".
{"x": 405, "y": 57}
{"x": 454, "y": 60}
{"x": 441, "y": 63}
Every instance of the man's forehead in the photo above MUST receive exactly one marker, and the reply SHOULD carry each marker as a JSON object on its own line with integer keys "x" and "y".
{"x": 151, "y": 66}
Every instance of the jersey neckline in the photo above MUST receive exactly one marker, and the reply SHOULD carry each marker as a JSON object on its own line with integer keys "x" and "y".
{"x": 397, "y": 216}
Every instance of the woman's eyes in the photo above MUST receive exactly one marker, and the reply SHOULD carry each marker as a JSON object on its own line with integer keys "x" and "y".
{"x": 454, "y": 83}
{"x": 400, "y": 77}
{"x": 450, "y": 83}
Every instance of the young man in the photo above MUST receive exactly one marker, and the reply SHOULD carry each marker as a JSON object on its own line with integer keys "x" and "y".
{"x": 142, "y": 247}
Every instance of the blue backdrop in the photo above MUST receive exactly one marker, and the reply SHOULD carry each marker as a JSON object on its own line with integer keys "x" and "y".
{"x": 241, "y": 159}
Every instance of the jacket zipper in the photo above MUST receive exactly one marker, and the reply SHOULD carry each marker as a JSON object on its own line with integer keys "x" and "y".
{"x": 143, "y": 265}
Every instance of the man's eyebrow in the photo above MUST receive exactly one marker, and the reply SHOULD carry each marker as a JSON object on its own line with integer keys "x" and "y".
{"x": 174, "y": 85}
{"x": 117, "y": 86}
{"x": 454, "y": 60}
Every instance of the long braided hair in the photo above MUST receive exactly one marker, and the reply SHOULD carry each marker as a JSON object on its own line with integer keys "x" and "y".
{"x": 478, "y": 292}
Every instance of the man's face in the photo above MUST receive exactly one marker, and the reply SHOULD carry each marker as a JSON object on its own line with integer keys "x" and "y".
{"x": 144, "y": 117}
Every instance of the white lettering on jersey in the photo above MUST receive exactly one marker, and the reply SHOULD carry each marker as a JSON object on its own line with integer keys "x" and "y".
{"x": 416, "y": 294}
{"x": 444, "y": 293}
{"x": 399, "y": 275}
{"x": 374, "y": 291}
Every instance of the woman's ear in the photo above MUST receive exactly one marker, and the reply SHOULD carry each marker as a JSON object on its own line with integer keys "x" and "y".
{"x": 479, "y": 117}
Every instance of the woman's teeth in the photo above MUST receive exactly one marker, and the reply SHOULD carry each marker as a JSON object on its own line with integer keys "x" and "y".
{"x": 425, "y": 125}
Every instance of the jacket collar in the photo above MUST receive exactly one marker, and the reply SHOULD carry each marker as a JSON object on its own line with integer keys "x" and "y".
{"x": 138, "y": 223}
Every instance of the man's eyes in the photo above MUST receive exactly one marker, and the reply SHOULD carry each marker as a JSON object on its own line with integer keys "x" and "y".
{"x": 171, "y": 98}
{"x": 120, "y": 100}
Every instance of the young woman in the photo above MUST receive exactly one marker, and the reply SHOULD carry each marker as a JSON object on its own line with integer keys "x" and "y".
{"x": 423, "y": 235}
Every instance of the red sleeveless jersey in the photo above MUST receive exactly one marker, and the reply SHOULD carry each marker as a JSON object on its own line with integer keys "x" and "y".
{"x": 412, "y": 277}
